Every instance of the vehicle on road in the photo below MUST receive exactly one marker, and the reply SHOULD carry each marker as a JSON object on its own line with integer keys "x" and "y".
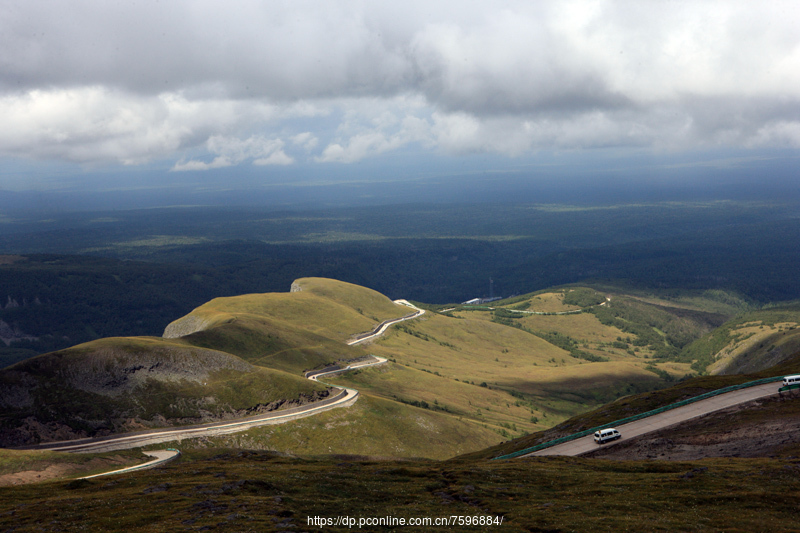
{"x": 605, "y": 435}
{"x": 791, "y": 380}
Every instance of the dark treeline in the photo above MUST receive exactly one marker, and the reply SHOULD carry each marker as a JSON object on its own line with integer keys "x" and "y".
{"x": 137, "y": 290}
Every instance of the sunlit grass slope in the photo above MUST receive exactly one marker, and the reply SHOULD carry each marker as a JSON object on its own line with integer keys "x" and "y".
{"x": 611, "y": 324}
{"x": 490, "y": 407}
{"x": 749, "y": 343}
{"x": 504, "y": 377}
{"x": 480, "y": 350}
{"x": 119, "y": 384}
{"x": 371, "y": 427}
{"x": 294, "y": 331}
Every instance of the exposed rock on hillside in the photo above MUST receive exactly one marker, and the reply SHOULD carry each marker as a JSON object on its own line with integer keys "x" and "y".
{"x": 186, "y": 326}
{"x": 124, "y": 384}
{"x": 112, "y": 369}
{"x": 303, "y": 399}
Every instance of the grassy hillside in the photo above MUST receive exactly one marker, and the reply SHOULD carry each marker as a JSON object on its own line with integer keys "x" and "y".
{"x": 454, "y": 354}
{"x": 292, "y": 331}
{"x": 494, "y": 372}
{"x": 491, "y": 408}
{"x": 121, "y": 384}
{"x": 748, "y": 343}
{"x": 481, "y": 374}
{"x": 536, "y": 360}
{"x": 325, "y": 307}
{"x": 372, "y": 427}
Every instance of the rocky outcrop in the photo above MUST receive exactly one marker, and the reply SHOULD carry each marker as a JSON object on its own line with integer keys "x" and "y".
{"x": 185, "y": 326}
{"x": 32, "y": 431}
{"x": 113, "y": 372}
{"x": 303, "y": 399}
{"x": 295, "y": 287}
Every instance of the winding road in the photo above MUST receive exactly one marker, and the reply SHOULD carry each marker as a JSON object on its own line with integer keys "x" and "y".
{"x": 161, "y": 457}
{"x": 383, "y": 326}
{"x": 344, "y": 398}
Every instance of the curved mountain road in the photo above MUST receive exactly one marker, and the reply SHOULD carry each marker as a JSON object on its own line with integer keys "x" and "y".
{"x": 347, "y": 397}
{"x": 664, "y": 419}
{"x": 161, "y": 457}
{"x": 135, "y": 440}
{"x": 383, "y": 326}
{"x": 344, "y": 398}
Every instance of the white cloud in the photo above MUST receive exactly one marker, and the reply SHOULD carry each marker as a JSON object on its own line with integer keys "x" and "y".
{"x": 277, "y": 157}
{"x": 358, "y": 147}
{"x": 233, "y": 151}
{"x": 306, "y": 139}
{"x": 97, "y": 82}
{"x": 218, "y": 162}
{"x": 372, "y": 130}
{"x": 97, "y": 125}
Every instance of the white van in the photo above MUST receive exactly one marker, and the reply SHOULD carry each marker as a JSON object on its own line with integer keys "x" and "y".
{"x": 605, "y": 435}
{"x": 791, "y": 380}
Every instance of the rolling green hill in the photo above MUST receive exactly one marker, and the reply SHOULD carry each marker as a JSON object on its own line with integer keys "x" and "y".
{"x": 457, "y": 380}
{"x": 749, "y": 342}
{"x": 369, "y": 460}
{"x": 124, "y": 384}
{"x": 295, "y": 331}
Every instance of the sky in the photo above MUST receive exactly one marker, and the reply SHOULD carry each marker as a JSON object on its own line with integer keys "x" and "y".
{"x": 115, "y": 94}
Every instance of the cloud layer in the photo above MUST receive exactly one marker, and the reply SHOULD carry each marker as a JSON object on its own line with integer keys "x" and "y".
{"x": 206, "y": 85}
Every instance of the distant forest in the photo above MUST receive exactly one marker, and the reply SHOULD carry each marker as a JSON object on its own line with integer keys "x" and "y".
{"x": 97, "y": 274}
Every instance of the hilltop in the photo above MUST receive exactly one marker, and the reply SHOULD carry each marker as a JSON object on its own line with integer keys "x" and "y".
{"x": 123, "y": 384}
{"x": 117, "y": 385}
{"x": 457, "y": 379}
